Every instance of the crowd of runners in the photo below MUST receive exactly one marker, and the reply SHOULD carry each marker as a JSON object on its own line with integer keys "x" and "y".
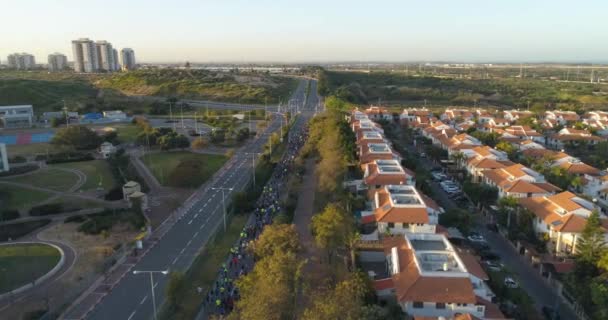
{"x": 222, "y": 295}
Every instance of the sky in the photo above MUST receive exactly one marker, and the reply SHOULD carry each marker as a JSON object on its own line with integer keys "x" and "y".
{"x": 314, "y": 30}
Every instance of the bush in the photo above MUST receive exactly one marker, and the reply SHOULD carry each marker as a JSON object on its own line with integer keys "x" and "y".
{"x": 104, "y": 221}
{"x": 114, "y": 194}
{"x": 77, "y": 218}
{"x": 19, "y": 170}
{"x": 41, "y": 157}
{"x": 7, "y": 215}
{"x": 46, "y": 209}
{"x": 16, "y": 230}
{"x": 70, "y": 157}
{"x": 17, "y": 159}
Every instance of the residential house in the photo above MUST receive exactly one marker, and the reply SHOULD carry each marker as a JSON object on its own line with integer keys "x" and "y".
{"x": 514, "y": 115}
{"x": 523, "y": 145}
{"x": 381, "y": 173}
{"x": 571, "y": 136}
{"x": 377, "y": 151}
{"x": 460, "y": 143}
{"x": 518, "y": 181}
{"x": 561, "y": 217}
{"x": 452, "y": 114}
{"x": 562, "y": 117}
{"x": 599, "y": 126}
{"x": 483, "y": 116}
{"x": 366, "y": 124}
{"x": 408, "y": 116}
{"x": 522, "y": 133}
{"x": 428, "y": 277}
{"x": 596, "y": 115}
{"x": 378, "y": 113}
{"x": 465, "y": 125}
{"x": 399, "y": 209}
{"x": 365, "y": 137}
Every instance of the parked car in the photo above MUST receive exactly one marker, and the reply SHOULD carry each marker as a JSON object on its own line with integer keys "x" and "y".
{"x": 476, "y": 238}
{"x": 510, "y": 283}
{"x": 550, "y": 313}
{"x": 493, "y": 266}
{"x": 423, "y": 155}
{"x": 438, "y": 176}
{"x": 488, "y": 256}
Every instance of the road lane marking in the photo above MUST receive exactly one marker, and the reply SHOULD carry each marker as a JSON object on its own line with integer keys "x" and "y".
{"x": 143, "y": 300}
{"x": 190, "y": 222}
{"x": 175, "y": 260}
{"x": 154, "y": 286}
{"x": 196, "y": 215}
{"x": 189, "y": 242}
{"x": 132, "y": 314}
{"x": 183, "y": 249}
{"x": 196, "y": 234}
{"x": 200, "y": 210}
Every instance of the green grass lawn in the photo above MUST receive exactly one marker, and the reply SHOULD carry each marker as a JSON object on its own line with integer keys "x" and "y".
{"x": 203, "y": 271}
{"x": 50, "y": 178}
{"x": 21, "y": 264}
{"x": 97, "y": 171}
{"x": 163, "y": 165}
{"x": 17, "y": 198}
{"x": 127, "y": 133}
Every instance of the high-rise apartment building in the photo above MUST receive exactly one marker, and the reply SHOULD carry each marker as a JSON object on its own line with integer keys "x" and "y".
{"x": 127, "y": 56}
{"x": 116, "y": 63}
{"x": 105, "y": 55}
{"x": 57, "y": 61}
{"x": 85, "y": 55}
{"x": 21, "y": 61}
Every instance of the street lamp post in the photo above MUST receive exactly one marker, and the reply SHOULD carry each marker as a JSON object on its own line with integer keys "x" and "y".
{"x": 65, "y": 111}
{"x": 253, "y": 155}
{"x": 164, "y": 272}
{"x": 195, "y": 124}
{"x": 223, "y": 201}
{"x": 171, "y": 114}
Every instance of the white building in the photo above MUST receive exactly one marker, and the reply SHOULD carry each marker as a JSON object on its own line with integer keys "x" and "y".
{"x": 16, "y": 116}
{"x": 3, "y": 158}
{"x": 107, "y": 149}
{"x": 57, "y": 61}
{"x": 85, "y": 55}
{"x": 21, "y": 61}
{"x": 127, "y": 56}
{"x": 115, "y": 115}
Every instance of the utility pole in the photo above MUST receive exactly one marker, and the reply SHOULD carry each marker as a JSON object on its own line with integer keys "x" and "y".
{"x": 253, "y": 155}
{"x": 196, "y": 124}
{"x": 171, "y": 114}
{"x": 223, "y": 201}
{"x": 65, "y": 111}
{"x": 164, "y": 272}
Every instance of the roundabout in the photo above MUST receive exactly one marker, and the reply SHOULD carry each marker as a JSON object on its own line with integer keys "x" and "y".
{"x": 26, "y": 264}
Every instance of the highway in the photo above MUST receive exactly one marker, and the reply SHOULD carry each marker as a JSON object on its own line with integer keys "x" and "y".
{"x": 176, "y": 250}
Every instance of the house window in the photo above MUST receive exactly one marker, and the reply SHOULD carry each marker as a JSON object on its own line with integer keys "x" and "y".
{"x": 418, "y": 304}
{"x": 480, "y": 309}
{"x": 391, "y": 224}
{"x": 378, "y": 186}
{"x": 440, "y": 305}
{"x": 406, "y": 226}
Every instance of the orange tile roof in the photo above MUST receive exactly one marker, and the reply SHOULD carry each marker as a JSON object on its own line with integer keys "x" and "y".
{"x": 383, "y": 284}
{"x": 579, "y": 168}
{"x": 492, "y": 311}
{"x": 472, "y": 265}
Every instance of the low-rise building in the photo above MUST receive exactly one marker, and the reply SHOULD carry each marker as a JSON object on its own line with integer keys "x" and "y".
{"x": 522, "y": 133}
{"x": 514, "y": 115}
{"x": 518, "y": 181}
{"x": 377, "y": 151}
{"x": 399, "y": 209}
{"x": 428, "y": 277}
{"x": 115, "y": 115}
{"x": 562, "y": 117}
{"x": 129, "y": 188}
{"x": 16, "y": 116}
{"x": 408, "y": 116}
{"x": 369, "y": 136}
{"x": 378, "y": 113}
{"x": 49, "y": 116}
{"x": 570, "y": 136}
{"x": 381, "y": 173}
{"x": 562, "y": 218}
{"x": 107, "y": 149}
{"x": 452, "y": 114}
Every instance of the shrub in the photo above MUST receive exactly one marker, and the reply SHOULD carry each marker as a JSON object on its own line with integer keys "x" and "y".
{"x": 70, "y": 157}
{"x": 46, "y": 209}
{"x": 19, "y": 170}
{"x": 77, "y": 218}
{"x": 114, "y": 194}
{"x": 8, "y": 214}
{"x": 17, "y": 159}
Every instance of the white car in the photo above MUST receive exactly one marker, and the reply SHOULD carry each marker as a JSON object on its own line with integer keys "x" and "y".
{"x": 510, "y": 283}
{"x": 493, "y": 265}
{"x": 476, "y": 238}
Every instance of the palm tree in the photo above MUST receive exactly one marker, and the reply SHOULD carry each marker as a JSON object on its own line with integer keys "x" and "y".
{"x": 458, "y": 158}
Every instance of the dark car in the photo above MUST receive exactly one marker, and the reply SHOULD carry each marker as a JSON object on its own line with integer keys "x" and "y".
{"x": 550, "y": 313}
{"x": 488, "y": 255}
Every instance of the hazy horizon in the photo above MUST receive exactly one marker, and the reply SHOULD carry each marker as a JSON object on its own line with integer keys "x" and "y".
{"x": 238, "y": 31}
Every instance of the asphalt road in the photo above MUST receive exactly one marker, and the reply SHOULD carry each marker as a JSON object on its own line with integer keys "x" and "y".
{"x": 131, "y": 298}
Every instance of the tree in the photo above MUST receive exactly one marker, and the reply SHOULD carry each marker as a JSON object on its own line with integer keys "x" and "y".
{"x": 217, "y": 136}
{"x": 457, "y": 218}
{"x": 345, "y": 301}
{"x": 277, "y": 237}
{"x": 332, "y": 228}
{"x": 174, "y": 287}
{"x": 188, "y": 174}
{"x": 242, "y": 134}
{"x": 199, "y": 143}
{"x": 507, "y": 148}
{"x": 267, "y": 293}
{"x": 591, "y": 245}
{"x": 78, "y": 137}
